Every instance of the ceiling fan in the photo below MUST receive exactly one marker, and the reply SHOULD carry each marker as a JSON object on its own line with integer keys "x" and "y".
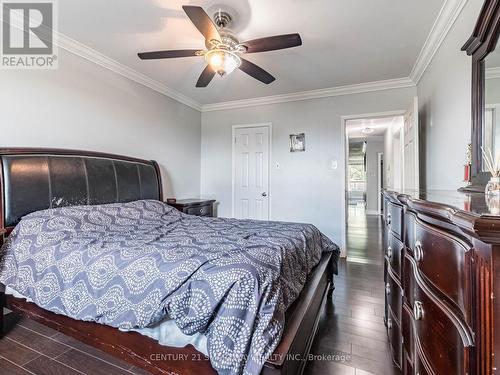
{"x": 223, "y": 53}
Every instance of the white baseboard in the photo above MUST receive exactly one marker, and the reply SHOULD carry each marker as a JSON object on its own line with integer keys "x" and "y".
{"x": 343, "y": 250}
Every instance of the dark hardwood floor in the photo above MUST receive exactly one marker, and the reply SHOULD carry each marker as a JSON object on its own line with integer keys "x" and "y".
{"x": 351, "y": 330}
{"x": 31, "y": 348}
{"x": 352, "y": 326}
{"x": 364, "y": 237}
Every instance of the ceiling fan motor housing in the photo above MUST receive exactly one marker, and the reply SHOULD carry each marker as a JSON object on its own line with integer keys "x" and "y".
{"x": 228, "y": 41}
{"x": 222, "y": 19}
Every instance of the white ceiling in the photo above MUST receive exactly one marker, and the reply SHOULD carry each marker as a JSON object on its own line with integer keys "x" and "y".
{"x": 344, "y": 41}
{"x": 379, "y": 125}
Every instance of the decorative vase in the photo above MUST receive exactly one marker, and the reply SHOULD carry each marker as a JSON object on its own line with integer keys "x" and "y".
{"x": 493, "y": 187}
{"x": 493, "y": 204}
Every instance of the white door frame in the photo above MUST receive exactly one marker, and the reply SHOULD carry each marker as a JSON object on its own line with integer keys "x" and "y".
{"x": 343, "y": 137}
{"x": 379, "y": 183}
{"x": 269, "y": 125}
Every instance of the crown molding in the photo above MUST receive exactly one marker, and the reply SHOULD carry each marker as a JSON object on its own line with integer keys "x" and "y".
{"x": 90, "y": 54}
{"x": 98, "y": 58}
{"x": 75, "y": 47}
{"x": 492, "y": 73}
{"x": 312, "y": 94}
{"x": 447, "y": 16}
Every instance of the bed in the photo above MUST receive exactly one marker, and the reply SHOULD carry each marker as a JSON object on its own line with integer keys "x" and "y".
{"x": 106, "y": 197}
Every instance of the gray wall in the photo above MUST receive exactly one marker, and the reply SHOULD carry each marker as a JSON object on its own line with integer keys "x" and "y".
{"x": 305, "y": 189}
{"x": 84, "y": 106}
{"x": 445, "y": 115}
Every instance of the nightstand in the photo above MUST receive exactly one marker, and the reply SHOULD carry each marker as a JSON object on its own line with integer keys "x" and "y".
{"x": 198, "y": 207}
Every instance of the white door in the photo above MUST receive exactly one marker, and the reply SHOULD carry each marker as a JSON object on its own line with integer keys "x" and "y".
{"x": 397, "y": 168}
{"x": 251, "y": 173}
{"x": 410, "y": 142}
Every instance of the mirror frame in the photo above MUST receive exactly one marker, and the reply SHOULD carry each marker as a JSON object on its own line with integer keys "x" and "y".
{"x": 482, "y": 41}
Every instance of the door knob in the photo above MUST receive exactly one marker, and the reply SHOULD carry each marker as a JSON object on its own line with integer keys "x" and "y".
{"x": 264, "y": 194}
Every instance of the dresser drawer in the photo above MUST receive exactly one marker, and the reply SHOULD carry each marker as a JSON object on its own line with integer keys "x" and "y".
{"x": 420, "y": 368}
{"x": 394, "y": 218}
{"x": 445, "y": 261}
{"x": 407, "y": 331}
{"x": 194, "y": 206}
{"x": 394, "y": 253}
{"x": 408, "y": 281}
{"x": 204, "y": 210}
{"x": 393, "y": 295}
{"x": 441, "y": 337}
{"x": 394, "y": 335}
{"x": 409, "y": 230}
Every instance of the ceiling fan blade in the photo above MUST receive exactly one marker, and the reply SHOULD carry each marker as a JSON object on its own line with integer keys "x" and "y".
{"x": 202, "y": 22}
{"x": 256, "y": 72}
{"x": 205, "y": 77}
{"x": 273, "y": 43}
{"x": 168, "y": 54}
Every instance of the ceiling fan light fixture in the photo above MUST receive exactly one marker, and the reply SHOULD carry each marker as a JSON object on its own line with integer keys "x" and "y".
{"x": 222, "y": 61}
{"x": 223, "y": 48}
{"x": 367, "y": 130}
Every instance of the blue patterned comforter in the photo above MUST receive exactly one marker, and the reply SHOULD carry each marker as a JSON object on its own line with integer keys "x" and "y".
{"x": 129, "y": 265}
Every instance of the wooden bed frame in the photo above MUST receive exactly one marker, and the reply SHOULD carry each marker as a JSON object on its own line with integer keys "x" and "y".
{"x": 289, "y": 357}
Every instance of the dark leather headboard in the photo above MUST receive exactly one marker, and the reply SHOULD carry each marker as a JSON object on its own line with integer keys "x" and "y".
{"x": 36, "y": 179}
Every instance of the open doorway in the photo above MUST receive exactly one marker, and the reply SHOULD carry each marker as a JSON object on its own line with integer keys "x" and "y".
{"x": 373, "y": 162}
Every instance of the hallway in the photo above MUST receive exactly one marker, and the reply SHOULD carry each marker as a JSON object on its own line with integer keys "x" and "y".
{"x": 364, "y": 237}
{"x": 352, "y": 326}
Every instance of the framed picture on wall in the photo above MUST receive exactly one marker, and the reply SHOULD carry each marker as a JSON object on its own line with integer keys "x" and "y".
{"x": 297, "y": 142}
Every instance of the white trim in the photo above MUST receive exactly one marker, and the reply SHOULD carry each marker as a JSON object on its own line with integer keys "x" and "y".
{"x": 373, "y": 115}
{"x": 82, "y": 50}
{"x": 77, "y": 48}
{"x": 447, "y": 16}
{"x": 372, "y": 212}
{"x": 492, "y": 73}
{"x": 269, "y": 125}
{"x": 343, "y": 136}
{"x": 312, "y": 94}
{"x": 379, "y": 182}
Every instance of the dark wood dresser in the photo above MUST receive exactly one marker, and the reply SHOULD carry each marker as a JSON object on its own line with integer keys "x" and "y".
{"x": 441, "y": 262}
{"x": 198, "y": 207}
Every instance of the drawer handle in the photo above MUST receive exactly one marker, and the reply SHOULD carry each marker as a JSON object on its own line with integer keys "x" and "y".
{"x": 419, "y": 252}
{"x": 389, "y": 323}
{"x": 387, "y": 289}
{"x": 389, "y": 219}
{"x": 389, "y": 252}
{"x": 201, "y": 210}
{"x": 418, "y": 310}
